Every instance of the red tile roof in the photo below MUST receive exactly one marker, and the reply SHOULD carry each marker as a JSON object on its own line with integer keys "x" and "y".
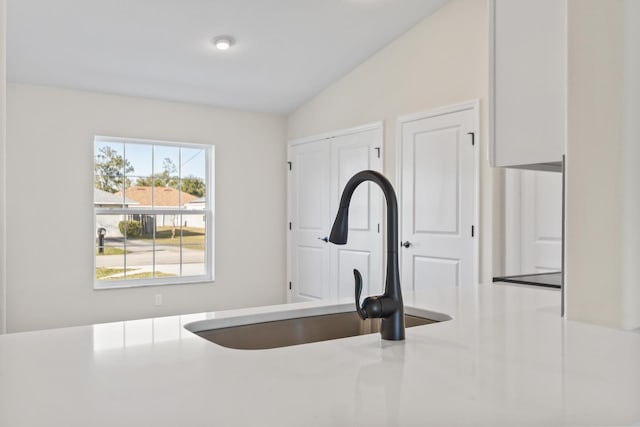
{"x": 162, "y": 196}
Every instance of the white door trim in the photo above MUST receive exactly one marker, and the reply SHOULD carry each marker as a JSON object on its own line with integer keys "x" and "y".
{"x": 473, "y": 105}
{"x": 378, "y": 125}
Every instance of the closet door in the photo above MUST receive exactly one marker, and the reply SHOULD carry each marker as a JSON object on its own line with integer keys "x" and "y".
{"x": 541, "y": 221}
{"x": 351, "y": 154}
{"x": 310, "y": 217}
{"x": 438, "y": 200}
{"x": 319, "y": 170}
{"x": 533, "y": 239}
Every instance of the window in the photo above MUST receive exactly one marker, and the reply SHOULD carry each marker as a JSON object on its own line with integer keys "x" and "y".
{"x": 153, "y": 212}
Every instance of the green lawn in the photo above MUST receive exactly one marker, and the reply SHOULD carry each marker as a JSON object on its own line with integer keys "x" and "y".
{"x": 191, "y": 237}
{"x": 102, "y": 273}
{"x": 108, "y": 250}
{"x": 148, "y": 275}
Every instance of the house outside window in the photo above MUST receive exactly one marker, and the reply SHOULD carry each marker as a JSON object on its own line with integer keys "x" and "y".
{"x": 153, "y": 212}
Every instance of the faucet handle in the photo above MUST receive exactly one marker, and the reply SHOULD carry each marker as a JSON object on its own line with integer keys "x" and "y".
{"x": 358, "y": 278}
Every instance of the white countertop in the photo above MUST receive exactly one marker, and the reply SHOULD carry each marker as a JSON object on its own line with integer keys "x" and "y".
{"x": 505, "y": 358}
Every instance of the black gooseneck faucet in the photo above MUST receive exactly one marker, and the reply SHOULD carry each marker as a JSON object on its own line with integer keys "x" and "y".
{"x": 389, "y": 306}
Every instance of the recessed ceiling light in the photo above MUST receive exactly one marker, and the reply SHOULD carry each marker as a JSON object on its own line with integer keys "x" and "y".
{"x": 223, "y": 42}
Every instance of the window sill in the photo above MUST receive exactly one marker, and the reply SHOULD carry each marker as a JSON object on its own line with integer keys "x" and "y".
{"x": 145, "y": 283}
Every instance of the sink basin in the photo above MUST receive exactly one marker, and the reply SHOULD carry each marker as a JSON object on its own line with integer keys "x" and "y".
{"x": 297, "y": 330}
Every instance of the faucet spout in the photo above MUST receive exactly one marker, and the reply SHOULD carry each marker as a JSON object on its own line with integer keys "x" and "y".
{"x": 389, "y": 306}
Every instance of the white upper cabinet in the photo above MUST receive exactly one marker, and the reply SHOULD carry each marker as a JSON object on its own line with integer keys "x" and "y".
{"x": 527, "y": 91}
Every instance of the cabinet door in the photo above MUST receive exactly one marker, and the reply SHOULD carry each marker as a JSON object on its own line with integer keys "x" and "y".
{"x": 528, "y": 82}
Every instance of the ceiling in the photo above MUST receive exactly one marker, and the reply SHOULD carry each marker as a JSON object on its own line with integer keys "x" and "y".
{"x": 286, "y": 51}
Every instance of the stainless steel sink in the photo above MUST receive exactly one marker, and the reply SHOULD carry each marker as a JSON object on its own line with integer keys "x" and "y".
{"x": 299, "y": 330}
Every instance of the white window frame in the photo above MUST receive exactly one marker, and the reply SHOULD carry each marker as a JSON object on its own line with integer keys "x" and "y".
{"x": 208, "y": 212}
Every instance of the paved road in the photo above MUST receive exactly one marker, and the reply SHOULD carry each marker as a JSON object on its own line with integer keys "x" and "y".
{"x": 140, "y": 256}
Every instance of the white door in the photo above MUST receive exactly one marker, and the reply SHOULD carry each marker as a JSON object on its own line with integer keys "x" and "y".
{"x": 310, "y": 217}
{"x": 319, "y": 171}
{"x": 438, "y": 200}
{"x": 533, "y": 239}
{"x": 351, "y": 154}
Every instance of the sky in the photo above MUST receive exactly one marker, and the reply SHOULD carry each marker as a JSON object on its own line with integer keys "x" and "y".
{"x": 148, "y": 159}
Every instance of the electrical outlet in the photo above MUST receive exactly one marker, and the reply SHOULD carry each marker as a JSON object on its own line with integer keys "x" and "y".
{"x": 157, "y": 301}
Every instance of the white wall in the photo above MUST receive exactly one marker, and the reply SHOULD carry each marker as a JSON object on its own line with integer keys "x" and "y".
{"x": 3, "y": 93}
{"x": 603, "y": 185}
{"x": 441, "y": 61}
{"x": 49, "y": 150}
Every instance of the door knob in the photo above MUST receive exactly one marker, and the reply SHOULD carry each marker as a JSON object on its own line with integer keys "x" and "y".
{"x": 406, "y": 244}
{"x": 324, "y": 239}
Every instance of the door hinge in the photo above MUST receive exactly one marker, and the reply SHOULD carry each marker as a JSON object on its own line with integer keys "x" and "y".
{"x": 378, "y": 151}
{"x": 289, "y": 163}
{"x": 289, "y": 285}
{"x": 290, "y": 226}
{"x": 378, "y": 228}
{"x": 473, "y": 231}
{"x": 473, "y": 137}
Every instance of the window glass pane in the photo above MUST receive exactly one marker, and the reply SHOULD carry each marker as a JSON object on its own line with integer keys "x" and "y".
{"x": 193, "y": 231}
{"x": 139, "y": 180}
{"x": 193, "y": 162}
{"x": 140, "y": 158}
{"x": 110, "y": 251}
{"x": 195, "y": 204}
{"x": 193, "y": 245}
{"x": 194, "y": 223}
{"x": 109, "y": 166}
{"x": 192, "y": 172}
{"x": 166, "y": 176}
{"x": 105, "y": 199}
{"x": 139, "y": 245}
{"x": 137, "y": 196}
{"x": 111, "y": 225}
{"x": 193, "y": 260}
{"x": 168, "y": 242}
{"x": 166, "y": 197}
{"x": 193, "y": 193}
